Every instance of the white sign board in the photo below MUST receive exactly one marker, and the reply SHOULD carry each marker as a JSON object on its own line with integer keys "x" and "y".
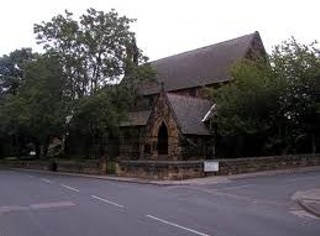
{"x": 211, "y": 166}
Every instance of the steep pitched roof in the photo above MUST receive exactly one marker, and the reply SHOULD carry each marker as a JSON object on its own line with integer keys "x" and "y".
{"x": 200, "y": 67}
{"x": 189, "y": 112}
{"x": 136, "y": 118}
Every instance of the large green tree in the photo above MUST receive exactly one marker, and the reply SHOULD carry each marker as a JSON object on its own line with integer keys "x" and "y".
{"x": 11, "y": 69}
{"x": 37, "y": 109}
{"x": 97, "y": 51}
{"x": 273, "y": 105}
{"x": 45, "y": 101}
{"x": 11, "y": 78}
{"x": 246, "y": 108}
{"x": 298, "y": 66}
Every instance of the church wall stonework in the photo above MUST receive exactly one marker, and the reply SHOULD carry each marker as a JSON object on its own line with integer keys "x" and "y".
{"x": 141, "y": 143}
{"x": 161, "y": 114}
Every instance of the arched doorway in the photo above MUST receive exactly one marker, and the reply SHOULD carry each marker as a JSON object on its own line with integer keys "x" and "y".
{"x": 163, "y": 139}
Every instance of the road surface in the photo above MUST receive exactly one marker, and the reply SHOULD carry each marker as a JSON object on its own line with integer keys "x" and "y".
{"x": 36, "y": 204}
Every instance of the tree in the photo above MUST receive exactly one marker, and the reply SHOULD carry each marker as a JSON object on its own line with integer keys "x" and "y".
{"x": 246, "y": 107}
{"x": 275, "y": 102}
{"x": 43, "y": 89}
{"x": 11, "y": 78}
{"x": 298, "y": 66}
{"x": 36, "y": 110}
{"x": 96, "y": 117}
{"x": 11, "y": 69}
{"x": 97, "y": 52}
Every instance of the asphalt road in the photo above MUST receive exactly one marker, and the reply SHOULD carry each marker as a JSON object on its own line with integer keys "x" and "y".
{"x": 33, "y": 204}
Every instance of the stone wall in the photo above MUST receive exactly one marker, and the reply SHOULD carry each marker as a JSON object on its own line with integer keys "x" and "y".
{"x": 173, "y": 170}
{"x": 177, "y": 170}
{"x": 160, "y": 170}
{"x": 255, "y": 164}
{"x": 87, "y": 167}
{"x": 161, "y": 114}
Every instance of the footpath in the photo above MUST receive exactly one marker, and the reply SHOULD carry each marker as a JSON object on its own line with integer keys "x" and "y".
{"x": 309, "y": 200}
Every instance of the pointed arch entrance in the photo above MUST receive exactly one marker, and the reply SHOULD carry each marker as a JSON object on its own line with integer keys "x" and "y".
{"x": 163, "y": 139}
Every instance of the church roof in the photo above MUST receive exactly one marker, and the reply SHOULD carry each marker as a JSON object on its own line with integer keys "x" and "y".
{"x": 189, "y": 112}
{"x": 196, "y": 68}
{"x": 136, "y": 118}
{"x": 200, "y": 67}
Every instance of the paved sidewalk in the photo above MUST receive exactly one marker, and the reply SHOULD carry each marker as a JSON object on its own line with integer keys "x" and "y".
{"x": 309, "y": 200}
{"x": 195, "y": 181}
{"x": 228, "y": 178}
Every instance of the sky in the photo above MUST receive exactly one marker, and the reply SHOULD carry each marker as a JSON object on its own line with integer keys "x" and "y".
{"x": 167, "y": 27}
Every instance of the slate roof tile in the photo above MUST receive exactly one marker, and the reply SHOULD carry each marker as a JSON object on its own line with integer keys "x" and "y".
{"x": 189, "y": 112}
{"x": 136, "y": 118}
{"x": 199, "y": 67}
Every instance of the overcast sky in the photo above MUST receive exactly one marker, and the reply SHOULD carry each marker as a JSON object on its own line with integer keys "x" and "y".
{"x": 167, "y": 27}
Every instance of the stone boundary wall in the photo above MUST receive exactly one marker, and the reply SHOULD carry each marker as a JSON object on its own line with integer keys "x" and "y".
{"x": 96, "y": 167}
{"x": 160, "y": 170}
{"x": 170, "y": 170}
{"x": 255, "y": 164}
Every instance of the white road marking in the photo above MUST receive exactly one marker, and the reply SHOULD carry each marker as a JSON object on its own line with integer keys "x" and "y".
{"x": 70, "y": 188}
{"x": 5, "y": 209}
{"x": 46, "y": 180}
{"x": 107, "y": 201}
{"x": 176, "y": 225}
{"x": 51, "y": 205}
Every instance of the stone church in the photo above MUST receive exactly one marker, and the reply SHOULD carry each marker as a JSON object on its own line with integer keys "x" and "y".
{"x": 173, "y": 124}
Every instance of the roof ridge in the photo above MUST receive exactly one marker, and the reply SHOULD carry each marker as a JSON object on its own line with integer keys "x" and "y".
{"x": 201, "y": 48}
